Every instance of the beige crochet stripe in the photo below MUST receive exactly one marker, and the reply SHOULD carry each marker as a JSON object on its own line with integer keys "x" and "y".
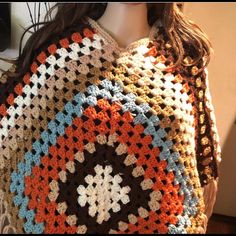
{"x": 188, "y": 160}
{"x": 5, "y": 218}
{"x": 181, "y": 135}
{"x": 15, "y": 222}
{"x": 3, "y": 78}
{"x": 18, "y": 136}
{"x": 154, "y": 103}
{"x": 45, "y": 108}
{"x": 20, "y": 139}
{"x": 93, "y": 59}
{"x": 155, "y": 196}
{"x": 136, "y": 84}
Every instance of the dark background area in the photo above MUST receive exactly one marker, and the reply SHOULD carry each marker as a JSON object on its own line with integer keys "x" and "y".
{"x": 220, "y": 224}
{"x": 5, "y": 26}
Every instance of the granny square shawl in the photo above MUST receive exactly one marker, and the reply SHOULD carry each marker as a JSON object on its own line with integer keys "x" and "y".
{"x": 96, "y": 138}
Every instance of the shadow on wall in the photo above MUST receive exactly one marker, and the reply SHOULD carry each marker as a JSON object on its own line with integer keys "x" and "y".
{"x": 225, "y": 202}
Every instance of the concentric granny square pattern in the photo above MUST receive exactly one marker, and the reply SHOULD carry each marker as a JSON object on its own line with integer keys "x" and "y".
{"x": 94, "y": 140}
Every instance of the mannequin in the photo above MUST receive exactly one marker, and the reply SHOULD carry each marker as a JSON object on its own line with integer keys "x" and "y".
{"x": 127, "y": 22}
{"x": 97, "y": 141}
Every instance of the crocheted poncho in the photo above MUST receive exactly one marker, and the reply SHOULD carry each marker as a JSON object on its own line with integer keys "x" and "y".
{"x": 96, "y": 138}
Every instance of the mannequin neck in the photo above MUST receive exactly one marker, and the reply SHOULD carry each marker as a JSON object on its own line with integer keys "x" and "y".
{"x": 126, "y": 22}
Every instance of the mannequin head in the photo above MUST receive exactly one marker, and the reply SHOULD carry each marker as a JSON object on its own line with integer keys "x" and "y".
{"x": 179, "y": 30}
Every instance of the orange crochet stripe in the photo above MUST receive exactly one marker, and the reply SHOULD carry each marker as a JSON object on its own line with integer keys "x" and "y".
{"x": 99, "y": 141}
{"x": 46, "y": 212}
{"x": 41, "y": 59}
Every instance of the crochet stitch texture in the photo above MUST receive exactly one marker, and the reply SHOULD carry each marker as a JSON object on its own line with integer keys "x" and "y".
{"x": 96, "y": 138}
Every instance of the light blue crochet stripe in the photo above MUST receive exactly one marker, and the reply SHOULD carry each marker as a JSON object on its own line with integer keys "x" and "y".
{"x": 57, "y": 127}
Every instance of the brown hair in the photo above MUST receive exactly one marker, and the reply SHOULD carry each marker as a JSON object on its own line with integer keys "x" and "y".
{"x": 179, "y": 30}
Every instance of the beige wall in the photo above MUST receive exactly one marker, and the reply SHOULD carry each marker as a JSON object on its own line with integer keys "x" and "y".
{"x": 20, "y": 19}
{"x": 218, "y": 20}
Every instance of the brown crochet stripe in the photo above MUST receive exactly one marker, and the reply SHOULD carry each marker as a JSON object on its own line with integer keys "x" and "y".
{"x": 70, "y": 87}
{"x": 204, "y": 137}
{"x": 17, "y": 152}
{"x": 45, "y": 108}
{"x": 178, "y": 146}
{"x": 16, "y": 222}
{"x": 132, "y": 81}
{"x": 20, "y": 139}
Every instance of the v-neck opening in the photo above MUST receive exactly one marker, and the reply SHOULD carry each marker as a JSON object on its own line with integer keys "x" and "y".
{"x": 110, "y": 39}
